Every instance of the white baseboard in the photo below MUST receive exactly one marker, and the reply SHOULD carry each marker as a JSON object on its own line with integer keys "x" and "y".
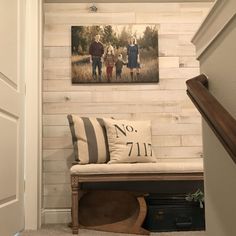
{"x": 56, "y": 216}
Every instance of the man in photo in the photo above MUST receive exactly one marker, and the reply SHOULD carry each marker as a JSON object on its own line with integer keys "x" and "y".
{"x": 96, "y": 51}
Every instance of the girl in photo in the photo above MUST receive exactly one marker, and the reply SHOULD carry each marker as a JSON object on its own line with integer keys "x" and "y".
{"x": 109, "y": 59}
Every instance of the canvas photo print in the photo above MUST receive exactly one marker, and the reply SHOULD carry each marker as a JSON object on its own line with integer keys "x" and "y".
{"x": 114, "y": 54}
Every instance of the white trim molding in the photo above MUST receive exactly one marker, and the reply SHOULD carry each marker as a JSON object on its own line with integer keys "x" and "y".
{"x": 211, "y": 42}
{"x": 218, "y": 17}
{"x": 212, "y": 11}
{"x": 33, "y": 74}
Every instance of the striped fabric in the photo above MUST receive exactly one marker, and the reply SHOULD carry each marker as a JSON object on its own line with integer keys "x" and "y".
{"x": 89, "y": 139}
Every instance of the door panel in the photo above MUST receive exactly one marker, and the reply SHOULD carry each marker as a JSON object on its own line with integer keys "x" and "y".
{"x": 8, "y": 58}
{"x": 10, "y": 106}
{"x": 8, "y": 148}
{"x": 11, "y": 116}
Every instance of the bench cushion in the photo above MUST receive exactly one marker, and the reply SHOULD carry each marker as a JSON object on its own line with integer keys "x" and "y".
{"x": 188, "y": 166}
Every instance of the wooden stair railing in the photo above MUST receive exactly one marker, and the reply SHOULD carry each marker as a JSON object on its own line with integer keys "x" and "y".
{"x": 217, "y": 117}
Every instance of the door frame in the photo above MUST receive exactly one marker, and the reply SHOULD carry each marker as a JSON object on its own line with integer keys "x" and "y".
{"x": 33, "y": 112}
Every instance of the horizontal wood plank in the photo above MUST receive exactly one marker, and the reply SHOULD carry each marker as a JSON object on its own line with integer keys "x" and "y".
{"x": 56, "y": 189}
{"x": 179, "y": 28}
{"x": 91, "y": 108}
{"x": 191, "y": 140}
{"x": 58, "y": 201}
{"x": 137, "y": 97}
{"x": 88, "y": 18}
{"x": 188, "y": 62}
{"x": 157, "y": 129}
{"x": 65, "y": 142}
{"x": 160, "y": 152}
{"x": 113, "y": 7}
{"x": 187, "y": 118}
{"x": 177, "y": 17}
{"x": 169, "y": 62}
{"x": 59, "y": 154}
{"x": 56, "y": 178}
{"x": 163, "y": 29}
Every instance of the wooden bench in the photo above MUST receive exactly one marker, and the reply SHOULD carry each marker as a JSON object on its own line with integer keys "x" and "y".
{"x": 188, "y": 170}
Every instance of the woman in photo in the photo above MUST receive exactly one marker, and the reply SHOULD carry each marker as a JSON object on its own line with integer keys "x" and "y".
{"x": 133, "y": 58}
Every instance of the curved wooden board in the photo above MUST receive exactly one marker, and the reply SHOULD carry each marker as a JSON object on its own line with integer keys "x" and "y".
{"x": 113, "y": 211}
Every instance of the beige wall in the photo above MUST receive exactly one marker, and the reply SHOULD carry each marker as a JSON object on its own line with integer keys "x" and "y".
{"x": 218, "y": 62}
{"x": 176, "y": 123}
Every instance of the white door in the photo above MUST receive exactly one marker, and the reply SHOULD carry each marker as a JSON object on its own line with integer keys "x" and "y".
{"x": 11, "y": 116}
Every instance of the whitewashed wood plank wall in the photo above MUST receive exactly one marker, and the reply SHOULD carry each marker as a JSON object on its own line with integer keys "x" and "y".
{"x": 176, "y": 125}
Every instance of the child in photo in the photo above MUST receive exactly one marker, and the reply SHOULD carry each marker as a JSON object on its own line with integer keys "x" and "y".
{"x": 109, "y": 59}
{"x": 119, "y": 66}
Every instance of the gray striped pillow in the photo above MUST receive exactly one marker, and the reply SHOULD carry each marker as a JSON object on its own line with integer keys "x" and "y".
{"x": 89, "y": 139}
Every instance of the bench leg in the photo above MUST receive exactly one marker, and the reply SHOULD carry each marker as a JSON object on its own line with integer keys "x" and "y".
{"x": 75, "y": 187}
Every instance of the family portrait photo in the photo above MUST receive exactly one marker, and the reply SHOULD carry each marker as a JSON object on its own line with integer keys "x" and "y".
{"x": 114, "y": 54}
